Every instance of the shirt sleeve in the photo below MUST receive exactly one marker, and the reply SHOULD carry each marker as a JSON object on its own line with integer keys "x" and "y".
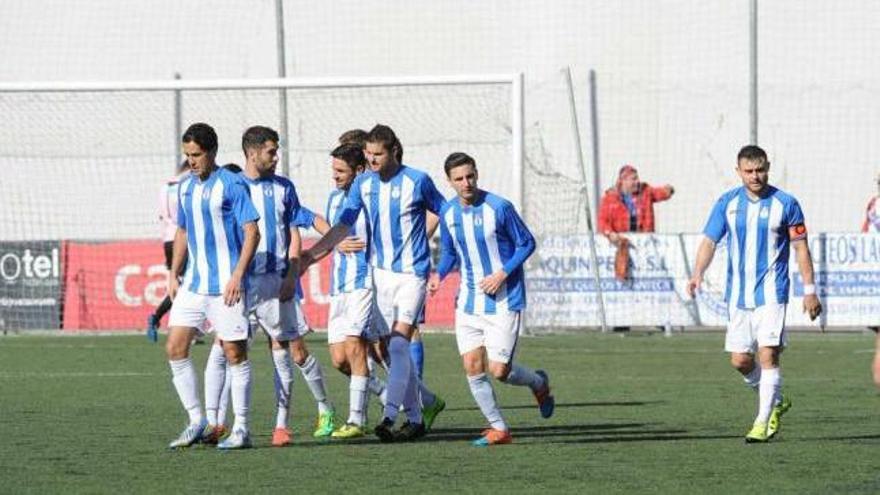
{"x": 181, "y": 211}
{"x": 433, "y": 199}
{"x": 794, "y": 220}
{"x": 716, "y": 227}
{"x": 304, "y": 218}
{"x": 658, "y": 193}
{"x": 448, "y": 254}
{"x": 522, "y": 239}
{"x": 242, "y": 207}
{"x": 352, "y": 204}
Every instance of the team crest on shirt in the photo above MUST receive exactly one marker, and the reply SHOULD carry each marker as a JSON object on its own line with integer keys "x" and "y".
{"x": 267, "y": 191}
{"x": 395, "y": 192}
{"x": 478, "y": 220}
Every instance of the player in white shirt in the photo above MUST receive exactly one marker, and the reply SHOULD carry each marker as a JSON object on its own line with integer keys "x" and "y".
{"x": 485, "y": 236}
{"x": 217, "y": 227}
{"x": 395, "y": 199}
{"x": 760, "y": 224}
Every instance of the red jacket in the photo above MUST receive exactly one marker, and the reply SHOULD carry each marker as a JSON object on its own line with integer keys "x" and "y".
{"x": 614, "y": 216}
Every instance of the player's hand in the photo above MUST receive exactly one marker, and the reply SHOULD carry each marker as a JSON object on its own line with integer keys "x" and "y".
{"x": 172, "y": 285}
{"x": 433, "y": 284}
{"x": 812, "y": 306}
{"x": 232, "y": 293}
{"x": 492, "y": 283}
{"x": 693, "y": 284}
{"x": 351, "y": 244}
{"x": 288, "y": 286}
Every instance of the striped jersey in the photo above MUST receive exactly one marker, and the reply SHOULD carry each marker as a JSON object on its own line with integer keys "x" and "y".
{"x": 213, "y": 213}
{"x": 484, "y": 238}
{"x": 275, "y": 199}
{"x": 350, "y": 271}
{"x": 759, "y": 234}
{"x": 395, "y": 211}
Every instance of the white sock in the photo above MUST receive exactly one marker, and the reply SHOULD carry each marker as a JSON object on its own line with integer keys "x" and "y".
{"x": 283, "y": 385}
{"x": 241, "y": 394}
{"x": 186, "y": 383}
{"x": 522, "y": 376}
{"x": 483, "y": 393}
{"x": 215, "y": 377}
{"x": 753, "y": 378}
{"x": 411, "y": 403}
{"x": 771, "y": 380}
{"x": 377, "y": 387}
{"x": 357, "y": 400}
{"x": 398, "y": 375}
{"x": 224, "y": 397}
{"x": 314, "y": 376}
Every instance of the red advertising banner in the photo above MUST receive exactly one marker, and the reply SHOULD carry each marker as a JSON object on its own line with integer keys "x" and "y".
{"x": 116, "y": 285}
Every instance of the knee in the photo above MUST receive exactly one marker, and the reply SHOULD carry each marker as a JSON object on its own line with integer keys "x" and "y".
{"x": 176, "y": 350}
{"x": 499, "y": 372}
{"x": 339, "y": 362}
{"x": 742, "y": 362}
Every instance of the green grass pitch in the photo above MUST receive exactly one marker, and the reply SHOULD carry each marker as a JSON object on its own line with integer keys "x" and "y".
{"x": 635, "y": 414}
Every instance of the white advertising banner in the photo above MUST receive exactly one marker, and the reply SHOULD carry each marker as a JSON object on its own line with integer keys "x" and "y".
{"x": 562, "y": 289}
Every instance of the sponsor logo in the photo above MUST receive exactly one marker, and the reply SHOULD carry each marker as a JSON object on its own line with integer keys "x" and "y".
{"x": 29, "y": 267}
{"x": 395, "y": 192}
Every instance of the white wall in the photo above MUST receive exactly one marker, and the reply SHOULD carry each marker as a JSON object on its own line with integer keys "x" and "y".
{"x": 673, "y": 84}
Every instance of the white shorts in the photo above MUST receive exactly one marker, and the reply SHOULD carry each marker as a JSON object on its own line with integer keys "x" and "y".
{"x": 749, "y": 329}
{"x": 230, "y": 323}
{"x": 498, "y": 333}
{"x": 399, "y": 297}
{"x": 277, "y": 318}
{"x": 302, "y": 326}
{"x": 349, "y": 316}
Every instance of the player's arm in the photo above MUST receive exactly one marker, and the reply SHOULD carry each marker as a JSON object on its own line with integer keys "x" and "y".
{"x": 245, "y": 215}
{"x": 321, "y": 224}
{"x": 448, "y": 259}
{"x": 705, "y": 253}
{"x": 431, "y": 223}
{"x": 347, "y": 217}
{"x": 525, "y": 246}
{"x": 662, "y": 193}
{"x": 812, "y": 306}
{"x": 288, "y": 285}
{"x": 177, "y": 257}
{"x": 714, "y": 231}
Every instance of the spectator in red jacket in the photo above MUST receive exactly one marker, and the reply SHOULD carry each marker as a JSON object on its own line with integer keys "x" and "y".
{"x": 629, "y": 206}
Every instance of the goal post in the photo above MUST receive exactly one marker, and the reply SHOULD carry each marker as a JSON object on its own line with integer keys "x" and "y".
{"x": 83, "y": 163}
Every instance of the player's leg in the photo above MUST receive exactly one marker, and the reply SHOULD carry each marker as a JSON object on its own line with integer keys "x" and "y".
{"x": 283, "y": 385}
{"x": 186, "y": 317}
{"x": 233, "y": 328}
{"x": 155, "y": 318}
{"x": 469, "y": 337}
{"x": 768, "y": 322}
{"x": 417, "y": 349}
{"x": 215, "y": 380}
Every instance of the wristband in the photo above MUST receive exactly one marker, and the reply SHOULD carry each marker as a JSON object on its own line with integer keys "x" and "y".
{"x": 810, "y": 289}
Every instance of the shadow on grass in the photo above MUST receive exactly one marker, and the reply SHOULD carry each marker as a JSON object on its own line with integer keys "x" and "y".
{"x": 563, "y": 405}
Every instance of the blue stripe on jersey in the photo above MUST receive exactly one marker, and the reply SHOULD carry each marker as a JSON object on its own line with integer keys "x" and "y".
{"x": 375, "y": 219}
{"x": 191, "y": 240}
{"x": 761, "y": 263}
{"x": 468, "y": 267}
{"x": 479, "y": 236}
{"x": 269, "y": 199}
{"x": 742, "y": 211}
{"x": 210, "y": 240}
{"x": 396, "y": 233}
{"x": 781, "y": 268}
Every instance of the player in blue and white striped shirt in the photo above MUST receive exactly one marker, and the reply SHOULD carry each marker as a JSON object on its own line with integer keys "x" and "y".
{"x": 217, "y": 229}
{"x": 761, "y": 224}
{"x": 395, "y": 199}
{"x": 485, "y": 236}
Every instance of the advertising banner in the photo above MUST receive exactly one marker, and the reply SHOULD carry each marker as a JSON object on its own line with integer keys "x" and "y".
{"x": 30, "y": 285}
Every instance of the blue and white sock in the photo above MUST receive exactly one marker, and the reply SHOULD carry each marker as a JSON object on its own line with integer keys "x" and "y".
{"x": 417, "y": 353}
{"x": 522, "y": 376}
{"x": 398, "y": 375}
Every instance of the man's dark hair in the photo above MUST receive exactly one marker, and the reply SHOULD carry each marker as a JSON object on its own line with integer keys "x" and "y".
{"x": 354, "y": 136}
{"x": 351, "y": 153}
{"x": 203, "y": 135}
{"x": 752, "y": 153}
{"x": 385, "y": 135}
{"x": 232, "y": 167}
{"x": 458, "y": 159}
{"x": 256, "y": 137}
